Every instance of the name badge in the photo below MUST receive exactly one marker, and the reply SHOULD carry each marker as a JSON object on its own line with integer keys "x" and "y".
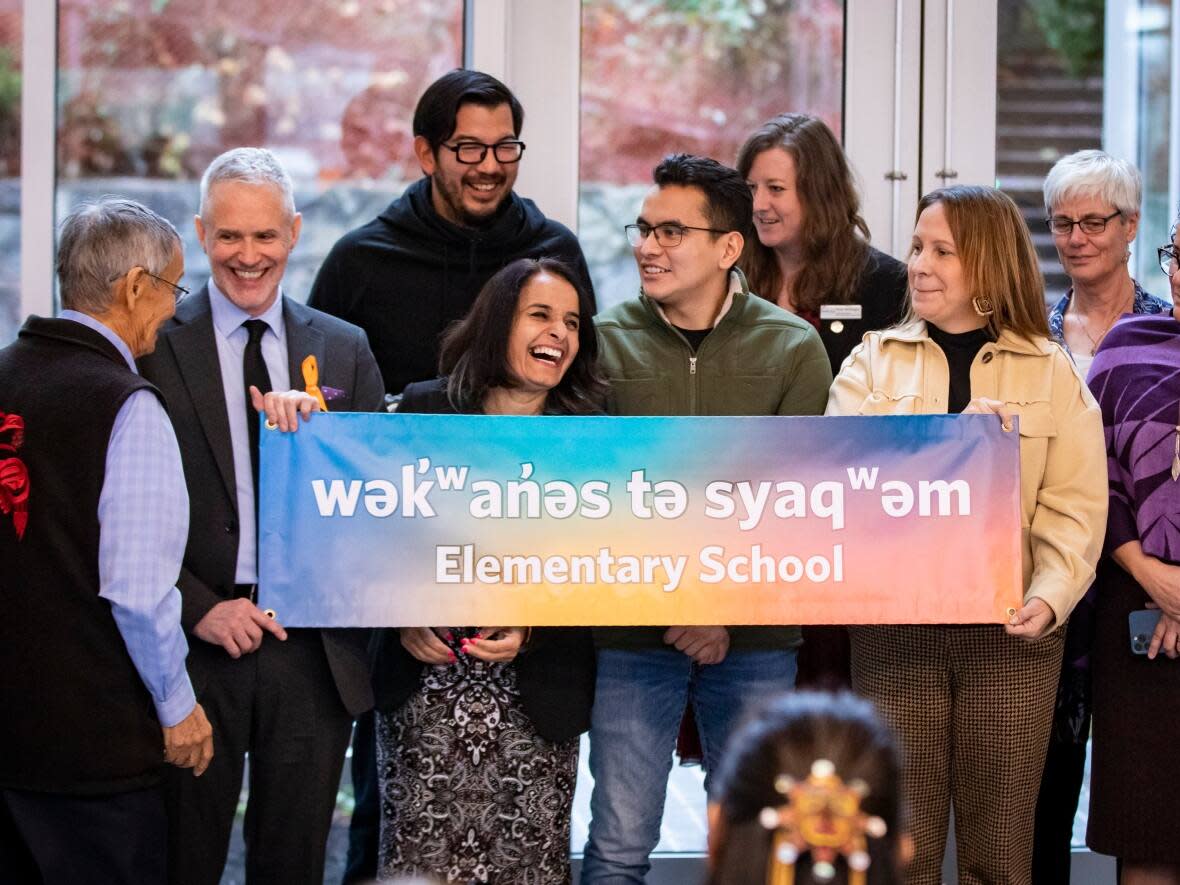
{"x": 840, "y": 312}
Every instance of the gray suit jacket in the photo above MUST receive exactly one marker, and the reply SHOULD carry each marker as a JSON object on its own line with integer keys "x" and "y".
{"x": 185, "y": 368}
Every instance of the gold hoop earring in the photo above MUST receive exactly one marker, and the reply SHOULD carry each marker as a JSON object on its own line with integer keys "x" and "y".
{"x": 983, "y": 305}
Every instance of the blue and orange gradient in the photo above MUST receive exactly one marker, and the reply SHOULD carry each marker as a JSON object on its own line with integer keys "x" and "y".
{"x": 419, "y": 520}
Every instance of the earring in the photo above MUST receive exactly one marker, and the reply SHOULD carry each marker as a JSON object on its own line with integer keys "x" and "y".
{"x": 983, "y": 305}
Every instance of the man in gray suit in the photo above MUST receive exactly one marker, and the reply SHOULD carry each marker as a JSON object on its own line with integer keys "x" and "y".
{"x": 286, "y": 697}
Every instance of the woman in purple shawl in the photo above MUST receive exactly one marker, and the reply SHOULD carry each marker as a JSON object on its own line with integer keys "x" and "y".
{"x": 1133, "y": 809}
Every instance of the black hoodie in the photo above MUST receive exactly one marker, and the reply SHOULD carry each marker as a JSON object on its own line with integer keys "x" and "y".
{"x": 409, "y": 273}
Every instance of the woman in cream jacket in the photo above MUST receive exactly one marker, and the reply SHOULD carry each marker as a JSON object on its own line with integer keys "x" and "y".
{"x": 973, "y": 704}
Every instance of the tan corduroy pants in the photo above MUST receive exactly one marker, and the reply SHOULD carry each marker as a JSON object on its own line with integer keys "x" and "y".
{"x": 972, "y": 708}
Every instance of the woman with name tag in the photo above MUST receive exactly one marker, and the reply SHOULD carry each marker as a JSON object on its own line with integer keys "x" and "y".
{"x": 812, "y": 256}
{"x": 973, "y": 704}
{"x": 1135, "y": 767}
{"x": 477, "y": 726}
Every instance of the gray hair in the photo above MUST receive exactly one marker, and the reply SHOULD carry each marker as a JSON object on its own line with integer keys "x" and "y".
{"x": 249, "y": 165}
{"x": 1098, "y": 174}
{"x": 101, "y": 241}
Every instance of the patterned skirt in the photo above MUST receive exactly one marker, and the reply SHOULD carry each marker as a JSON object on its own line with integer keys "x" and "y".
{"x": 469, "y": 791}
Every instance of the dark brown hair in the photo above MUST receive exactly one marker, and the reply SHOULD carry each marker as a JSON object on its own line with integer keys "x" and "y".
{"x": 834, "y": 234}
{"x": 438, "y": 108}
{"x": 728, "y": 206}
{"x": 785, "y": 737}
{"x": 474, "y": 354}
{"x": 999, "y": 260}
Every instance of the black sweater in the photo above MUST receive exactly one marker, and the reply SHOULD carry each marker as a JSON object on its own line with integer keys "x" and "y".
{"x": 408, "y": 274}
{"x": 555, "y": 673}
{"x": 76, "y": 716}
{"x": 880, "y": 292}
{"x": 960, "y": 348}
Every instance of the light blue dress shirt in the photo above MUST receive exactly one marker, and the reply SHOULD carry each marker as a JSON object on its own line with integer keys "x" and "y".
{"x": 231, "y": 337}
{"x": 143, "y": 528}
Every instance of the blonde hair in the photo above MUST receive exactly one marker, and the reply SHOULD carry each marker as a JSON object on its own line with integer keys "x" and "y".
{"x": 999, "y": 261}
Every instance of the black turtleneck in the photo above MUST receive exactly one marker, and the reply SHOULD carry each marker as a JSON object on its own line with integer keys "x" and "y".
{"x": 960, "y": 349}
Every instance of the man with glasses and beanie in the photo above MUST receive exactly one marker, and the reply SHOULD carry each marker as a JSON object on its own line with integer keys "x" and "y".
{"x": 416, "y": 268}
{"x": 695, "y": 342}
{"x": 285, "y": 697}
{"x": 94, "y": 697}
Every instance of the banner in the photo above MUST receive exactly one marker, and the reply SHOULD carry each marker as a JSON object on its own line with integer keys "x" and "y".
{"x": 447, "y": 520}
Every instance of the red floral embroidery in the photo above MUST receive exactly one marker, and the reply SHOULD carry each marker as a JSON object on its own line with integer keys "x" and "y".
{"x": 14, "y": 476}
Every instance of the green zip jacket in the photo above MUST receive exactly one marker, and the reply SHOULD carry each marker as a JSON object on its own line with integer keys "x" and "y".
{"x": 757, "y": 360}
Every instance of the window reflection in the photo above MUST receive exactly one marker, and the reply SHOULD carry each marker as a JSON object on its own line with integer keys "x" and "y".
{"x": 150, "y": 92}
{"x": 660, "y": 77}
{"x": 1151, "y": 30}
{"x": 10, "y": 108}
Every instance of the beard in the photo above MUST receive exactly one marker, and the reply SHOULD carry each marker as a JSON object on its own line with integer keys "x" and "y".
{"x": 450, "y": 194}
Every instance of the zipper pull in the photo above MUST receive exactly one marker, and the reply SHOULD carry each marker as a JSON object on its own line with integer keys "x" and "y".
{"x": 692, "y": 365}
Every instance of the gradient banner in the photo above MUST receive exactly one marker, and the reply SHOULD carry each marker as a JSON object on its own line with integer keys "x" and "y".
{"x": 421, "y": 520}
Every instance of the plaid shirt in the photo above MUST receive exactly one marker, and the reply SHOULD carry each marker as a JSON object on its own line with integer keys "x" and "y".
{"x": 143, "y": 528}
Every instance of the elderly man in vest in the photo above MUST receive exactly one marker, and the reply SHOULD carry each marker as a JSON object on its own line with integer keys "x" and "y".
{"x": 94, "y": 696}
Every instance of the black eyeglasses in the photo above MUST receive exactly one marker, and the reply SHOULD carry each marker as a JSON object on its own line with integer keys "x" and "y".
{"x": 472, "y": 153}
{"x": 667, "y": 234}
{"x": 1091, "y": 224}
{"x": 178, "y": 290}
{"x": 1168, "y": 260}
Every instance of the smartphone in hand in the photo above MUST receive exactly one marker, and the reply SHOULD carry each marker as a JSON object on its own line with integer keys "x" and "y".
{"x": 1142, "y": 626}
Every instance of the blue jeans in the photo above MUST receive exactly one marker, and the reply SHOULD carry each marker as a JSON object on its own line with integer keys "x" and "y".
{"x": 638, "y": 704}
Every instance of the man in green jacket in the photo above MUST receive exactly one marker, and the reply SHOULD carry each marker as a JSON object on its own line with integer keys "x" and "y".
{"x": 695, "y": 342}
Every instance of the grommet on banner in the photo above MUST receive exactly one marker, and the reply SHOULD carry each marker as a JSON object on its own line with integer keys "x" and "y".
{"x": 1011, "y": 612}
{"x": 270, "y": 613}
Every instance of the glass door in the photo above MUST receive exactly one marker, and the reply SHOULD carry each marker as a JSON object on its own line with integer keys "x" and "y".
{"x": 11, "y": 54}
{"x": 1142, "y": 80}
{"x": 148, "y": 93}
{"x": 661, "y": 77}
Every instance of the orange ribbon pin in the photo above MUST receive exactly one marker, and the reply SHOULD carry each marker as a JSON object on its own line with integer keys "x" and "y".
{"x": 311, "y": 380}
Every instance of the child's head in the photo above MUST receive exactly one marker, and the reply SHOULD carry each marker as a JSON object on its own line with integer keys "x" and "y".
{"x": 809, "y": 790}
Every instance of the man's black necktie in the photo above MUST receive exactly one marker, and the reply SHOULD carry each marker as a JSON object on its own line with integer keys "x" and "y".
{"x": 254, "y": 373}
